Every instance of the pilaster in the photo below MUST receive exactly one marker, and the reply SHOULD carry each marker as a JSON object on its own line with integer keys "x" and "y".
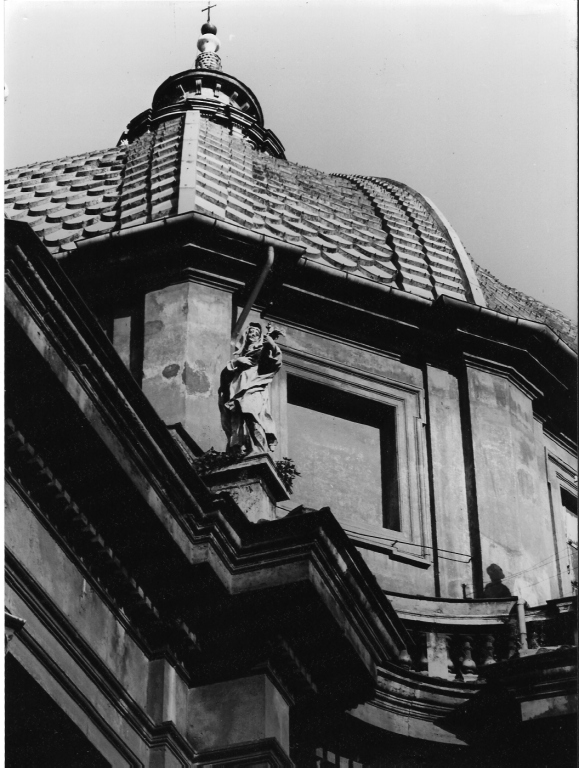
{"x": 240, "y": 722}
{"x": 186, "y": 346}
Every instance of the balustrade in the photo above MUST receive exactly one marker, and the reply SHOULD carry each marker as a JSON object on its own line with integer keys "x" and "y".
{"x": 460, "y": 656}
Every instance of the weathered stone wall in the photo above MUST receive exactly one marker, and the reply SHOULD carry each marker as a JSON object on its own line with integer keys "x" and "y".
{"x": 71, "y": 619}
{"x": 513, "y": 507}
{"x": 187, "y": 343}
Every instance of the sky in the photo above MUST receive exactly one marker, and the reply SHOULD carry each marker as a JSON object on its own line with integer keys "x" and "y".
{"x": 470, "y": 102}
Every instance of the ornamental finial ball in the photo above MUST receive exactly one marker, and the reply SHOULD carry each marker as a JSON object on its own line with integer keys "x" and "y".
{"x": 208, "y": 43}
{"x": 208, "y": 28}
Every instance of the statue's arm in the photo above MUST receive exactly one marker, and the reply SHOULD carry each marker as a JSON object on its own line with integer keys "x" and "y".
{"x": 271, "y": 356}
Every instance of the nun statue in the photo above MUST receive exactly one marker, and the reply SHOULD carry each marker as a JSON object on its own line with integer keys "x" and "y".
{"x": 244, "y": 391}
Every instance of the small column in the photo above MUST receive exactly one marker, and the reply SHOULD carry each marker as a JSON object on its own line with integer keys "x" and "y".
{"x": 488, "y": 650}
{"x": 467, "y": 664}
{"x": 245, "y": 719}
{"x": 437, "y": 655}
{"x": 422, "y": 665}
{"x": 254, "y": 485}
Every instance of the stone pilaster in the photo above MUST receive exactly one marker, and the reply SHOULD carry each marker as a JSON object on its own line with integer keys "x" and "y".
{"x": 246, "y": 719}
{"x": 186, "y": 345}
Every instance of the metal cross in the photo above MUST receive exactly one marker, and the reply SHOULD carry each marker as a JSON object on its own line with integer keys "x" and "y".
{"x": 208, "y": 9}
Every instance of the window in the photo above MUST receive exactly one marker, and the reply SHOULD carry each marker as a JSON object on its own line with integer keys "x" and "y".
{"x": 569, "y": 503}
{"x": 345, "y": 447}
{"x": 357, "y": 436}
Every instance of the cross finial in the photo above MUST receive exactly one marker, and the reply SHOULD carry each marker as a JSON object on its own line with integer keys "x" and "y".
{"x": 208, "y": 9}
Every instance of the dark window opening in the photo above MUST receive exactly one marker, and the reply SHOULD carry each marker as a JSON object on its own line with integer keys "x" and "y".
{"x": 344, "y": 446}
{"x": 569, "y": 501}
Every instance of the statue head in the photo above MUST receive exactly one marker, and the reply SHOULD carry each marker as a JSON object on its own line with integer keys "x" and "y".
{"x": 495, "y": 572}
{"x": 253, "y": 333}
{"x": 250, "y": 337}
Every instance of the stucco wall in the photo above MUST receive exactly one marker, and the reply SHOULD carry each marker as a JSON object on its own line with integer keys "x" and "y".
{"x": 513, "y": 507}
{"x": 187, "y": 343}
{"x": 448, "y": 481}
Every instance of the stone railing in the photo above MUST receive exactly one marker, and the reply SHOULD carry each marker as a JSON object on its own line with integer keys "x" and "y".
{"x": 454, "y": 639}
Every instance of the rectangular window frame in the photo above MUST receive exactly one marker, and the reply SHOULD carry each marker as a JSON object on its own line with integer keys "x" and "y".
{"x": 561, "y": 476}
{"x": 413, "y": 542}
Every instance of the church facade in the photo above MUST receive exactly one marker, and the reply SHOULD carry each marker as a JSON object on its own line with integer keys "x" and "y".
{"x": 408, "y": 597}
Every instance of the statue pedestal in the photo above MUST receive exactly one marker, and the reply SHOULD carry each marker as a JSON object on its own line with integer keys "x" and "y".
{"x": 254, "y": 484}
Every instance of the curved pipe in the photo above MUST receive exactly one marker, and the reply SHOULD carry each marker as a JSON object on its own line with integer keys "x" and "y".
{"x": 265, "y": 270}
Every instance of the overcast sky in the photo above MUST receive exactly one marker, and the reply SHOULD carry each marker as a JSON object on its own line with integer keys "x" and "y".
{"x": 471, "y": 102}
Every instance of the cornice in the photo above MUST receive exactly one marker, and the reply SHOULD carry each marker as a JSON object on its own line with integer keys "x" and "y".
{"x": 252, "y": 753}
{"x": 507, "y": 372}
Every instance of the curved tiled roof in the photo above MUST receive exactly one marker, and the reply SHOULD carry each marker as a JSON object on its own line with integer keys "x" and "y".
{"x": 370, "y": 227}
{"x": 374, "y": 228}
{"x": 517, "y": 304}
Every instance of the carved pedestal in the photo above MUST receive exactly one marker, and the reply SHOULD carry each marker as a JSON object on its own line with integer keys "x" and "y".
{"x": 254, "y": 484}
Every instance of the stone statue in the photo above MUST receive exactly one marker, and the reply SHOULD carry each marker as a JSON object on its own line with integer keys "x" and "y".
{"x": 244, "y": 391}
{"x": 495, "y": 588}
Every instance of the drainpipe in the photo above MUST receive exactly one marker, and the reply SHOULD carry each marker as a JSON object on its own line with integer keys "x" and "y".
{"x": 522, "y": 624}
{"x": 265, "y": 270}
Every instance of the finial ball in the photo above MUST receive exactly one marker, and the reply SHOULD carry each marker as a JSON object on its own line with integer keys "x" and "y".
{"x": 208, "y": 28}
{"x": 208, "y": 43}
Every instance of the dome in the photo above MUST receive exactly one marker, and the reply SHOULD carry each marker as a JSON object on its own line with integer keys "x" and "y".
{"x": 203, "y": 147}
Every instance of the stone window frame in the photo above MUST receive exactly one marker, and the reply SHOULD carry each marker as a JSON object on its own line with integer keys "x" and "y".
{"x": 560, "y": 475}
{"x": 408, "y": 402}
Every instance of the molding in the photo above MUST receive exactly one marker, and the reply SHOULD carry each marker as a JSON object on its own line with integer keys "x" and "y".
{"x": 266, "y": 752}
{"x": 84, "y": 657}
{"x": 336, "y": 338}
{"x": 409, "y": 405}
{"x": 410, "y": 704}
{"x": 504, "y": 371}
{"x": 458, "y": 615}
{"x": 562, "y": 440}
{"x": 566, "y": 468}
{"x": 166, "y": 736}
{"x": 245, "y": 472}
{"x": 139, "y": 615}
{"x": 384, "y": 540}
{"x": 12, "y": 626}
{"x": 353, "y": 373}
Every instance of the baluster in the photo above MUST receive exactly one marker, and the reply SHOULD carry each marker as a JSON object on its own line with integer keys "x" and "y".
{"x": 533, "y": 637}
{"x": 423, "y": 657}
{"x": 514, "y": 643}
{"x": 541, "y": 638}
{"x": 451, "y": 668}
{"x": 488, "y": 650}
{"x": 467, "y": 665}
{"x": 404, "y": 659}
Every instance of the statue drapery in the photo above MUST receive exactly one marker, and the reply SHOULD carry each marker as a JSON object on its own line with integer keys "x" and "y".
{"x": 244, "y": 392}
